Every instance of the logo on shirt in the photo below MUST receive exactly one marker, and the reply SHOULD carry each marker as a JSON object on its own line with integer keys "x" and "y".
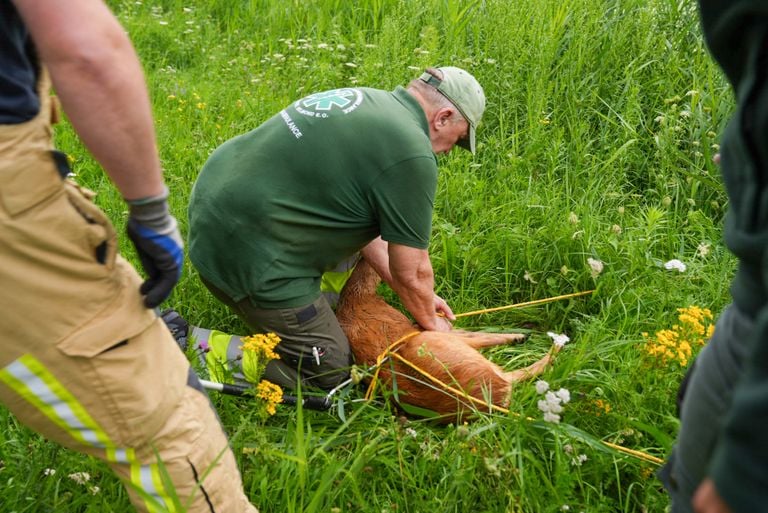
{"x": 322, "y": 105}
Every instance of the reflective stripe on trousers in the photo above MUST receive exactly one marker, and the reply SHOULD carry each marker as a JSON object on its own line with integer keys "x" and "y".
{"x": 29, "y": 378}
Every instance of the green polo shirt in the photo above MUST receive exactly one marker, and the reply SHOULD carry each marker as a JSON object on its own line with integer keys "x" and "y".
{"x": 276, "y": 207}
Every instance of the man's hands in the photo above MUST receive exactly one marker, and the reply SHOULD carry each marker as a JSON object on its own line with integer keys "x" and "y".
{"x": 155, "y": 233}
{"x": 444, "y": 315}
{"x": 707, "y": 500}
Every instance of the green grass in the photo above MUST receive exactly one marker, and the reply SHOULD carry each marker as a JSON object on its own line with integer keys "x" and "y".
{"x": 602, "y": 120}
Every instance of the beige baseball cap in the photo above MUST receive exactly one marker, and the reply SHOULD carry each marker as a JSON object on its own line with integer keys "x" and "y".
{"x": 465, "y": 93}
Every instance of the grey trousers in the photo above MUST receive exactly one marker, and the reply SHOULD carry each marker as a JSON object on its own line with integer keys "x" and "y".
{"x": 313, "y": 349}
{"x": 706, "y": 401}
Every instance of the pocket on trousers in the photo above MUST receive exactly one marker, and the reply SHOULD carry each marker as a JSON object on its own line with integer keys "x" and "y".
{"x": 121, "y": 319}
{"x": 20, "y": 193}
{"x": 100, "y": 237}
{"x": 133, "y": 380}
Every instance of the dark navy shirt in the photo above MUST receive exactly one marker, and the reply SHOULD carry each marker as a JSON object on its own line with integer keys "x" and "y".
{"x": 18, "y": 69}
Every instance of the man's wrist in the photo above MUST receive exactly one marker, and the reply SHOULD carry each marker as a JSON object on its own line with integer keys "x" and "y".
{"x": 151, "y": 211}
{"x": 158, "y": 198}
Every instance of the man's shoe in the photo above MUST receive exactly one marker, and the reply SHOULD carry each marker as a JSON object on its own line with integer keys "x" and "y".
{"x": 178, "y": 327}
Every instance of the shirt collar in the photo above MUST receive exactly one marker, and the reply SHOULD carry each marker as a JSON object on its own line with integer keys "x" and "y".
{"x": 413, "y": 106}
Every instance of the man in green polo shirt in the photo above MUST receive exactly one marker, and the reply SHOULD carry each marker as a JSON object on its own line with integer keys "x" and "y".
{"x": 333, "y": 174}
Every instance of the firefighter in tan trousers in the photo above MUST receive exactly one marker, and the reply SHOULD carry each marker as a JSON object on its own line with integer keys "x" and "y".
{"x": 98, "y": 372}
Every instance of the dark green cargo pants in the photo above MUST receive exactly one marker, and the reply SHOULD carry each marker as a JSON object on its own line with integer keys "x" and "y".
{"x": 313, "y": 349}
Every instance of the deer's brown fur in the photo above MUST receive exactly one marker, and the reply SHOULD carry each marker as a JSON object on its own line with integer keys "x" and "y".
{"x": 372, "y": 325}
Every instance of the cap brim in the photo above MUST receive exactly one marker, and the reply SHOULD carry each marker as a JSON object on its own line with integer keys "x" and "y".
{"x": 468, "y": 143}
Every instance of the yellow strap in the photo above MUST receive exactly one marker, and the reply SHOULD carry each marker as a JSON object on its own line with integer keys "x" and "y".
{"x": 528, "y": 303}
{"x": 463, "y": 394}
{"x": 456, "y": 391}
{"x": 460, "y": 393}
{"x": 382, "y": 358}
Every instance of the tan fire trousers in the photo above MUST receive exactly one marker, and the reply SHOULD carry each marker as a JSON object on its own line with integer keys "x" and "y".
{"x": 82, "y": 361}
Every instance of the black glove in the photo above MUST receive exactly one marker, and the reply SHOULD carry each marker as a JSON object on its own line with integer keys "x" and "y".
{"x": 155, "y": 233}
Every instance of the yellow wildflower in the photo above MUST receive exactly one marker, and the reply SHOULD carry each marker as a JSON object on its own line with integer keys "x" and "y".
{"x": 272, "y": 395}
{"x": 676, "y": 344}
{"x": 262, "y": 344}
{"x": 602, "y": 406}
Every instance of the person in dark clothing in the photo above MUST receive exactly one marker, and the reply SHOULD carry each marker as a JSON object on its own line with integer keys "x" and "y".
{"x": 720, "y": 460}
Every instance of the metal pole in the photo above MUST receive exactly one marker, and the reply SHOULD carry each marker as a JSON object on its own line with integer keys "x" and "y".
{"x": 310, "y": 402}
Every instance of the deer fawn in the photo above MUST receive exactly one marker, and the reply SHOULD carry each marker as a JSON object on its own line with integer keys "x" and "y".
{"x": 371, "y": 325}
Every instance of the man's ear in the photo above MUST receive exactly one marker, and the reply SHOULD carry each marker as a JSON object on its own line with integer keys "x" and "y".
{"x": 442, "y": 117}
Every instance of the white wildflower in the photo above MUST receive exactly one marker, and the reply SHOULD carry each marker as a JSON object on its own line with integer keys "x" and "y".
{"x": 411, "y": 432}
{"x": 578, "y": 460}
{"x": 564, "y": 395}
{"x": 541, "y": 386}
{"x": 49, "y": 471}
{"x": 552, "y": 405}
{"x": 558, "y": 339}
{"x": 703, "y": 249}
{"x": 80, "y": 477}
{"x": 527, "y": 277}
{"x": 675, "y": 265}
{"x": 554, "y": 402}
{"x": 596, "y": 267}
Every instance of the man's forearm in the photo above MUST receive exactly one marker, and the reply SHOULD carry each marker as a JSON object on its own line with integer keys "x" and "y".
{"x": 413, "y": 280}
{"x": 418, "y": 299}
{"x": 100, "y": 83}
